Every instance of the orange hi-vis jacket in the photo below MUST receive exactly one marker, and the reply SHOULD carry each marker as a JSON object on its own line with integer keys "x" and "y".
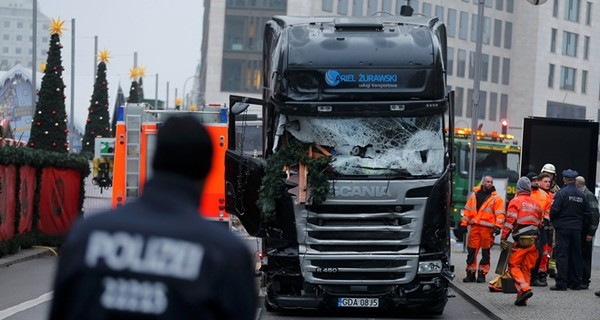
{"x": 490, "y": 214}
{"x": 544, "y": 199}
{"x": 524, "y": 216}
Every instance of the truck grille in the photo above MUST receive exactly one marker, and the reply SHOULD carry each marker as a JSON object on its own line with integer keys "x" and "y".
{"x": 345, "y": 242}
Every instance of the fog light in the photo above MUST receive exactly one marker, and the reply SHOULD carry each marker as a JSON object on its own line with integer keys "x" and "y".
{"x": 430, "y": 267}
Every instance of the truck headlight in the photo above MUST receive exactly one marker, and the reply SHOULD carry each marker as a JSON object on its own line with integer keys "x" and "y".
{"x": 430, "y": 267}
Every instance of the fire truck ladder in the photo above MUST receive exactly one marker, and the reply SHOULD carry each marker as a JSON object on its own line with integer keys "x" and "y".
{"x": 133, "y": 123}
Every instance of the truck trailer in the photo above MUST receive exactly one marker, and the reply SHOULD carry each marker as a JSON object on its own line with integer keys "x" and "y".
{"x": 351, "y": 192}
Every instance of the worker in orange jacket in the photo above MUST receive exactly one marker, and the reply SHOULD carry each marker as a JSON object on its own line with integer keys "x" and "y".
{"x": 542, "y": 243}
{"x": 484, "y": 213}
{"x": 523, "y": 219}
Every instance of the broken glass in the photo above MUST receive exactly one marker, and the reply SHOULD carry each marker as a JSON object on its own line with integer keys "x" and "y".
{"x": 375, "y": 146}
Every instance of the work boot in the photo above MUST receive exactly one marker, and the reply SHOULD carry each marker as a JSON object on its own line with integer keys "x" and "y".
{"x": 480, "y": 277}
{"x": 470, "y": 277}
{"x": 522, "y": 298}
{"x": 538, "y": 282}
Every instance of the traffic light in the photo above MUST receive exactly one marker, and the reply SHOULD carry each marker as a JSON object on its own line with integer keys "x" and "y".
{"x": 504, "y": 124}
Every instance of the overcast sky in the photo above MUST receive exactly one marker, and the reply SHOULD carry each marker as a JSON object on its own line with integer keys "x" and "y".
{"x": 165, "y": 34}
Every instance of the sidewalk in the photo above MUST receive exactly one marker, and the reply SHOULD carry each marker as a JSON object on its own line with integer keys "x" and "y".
{"x": 544, "y": 304}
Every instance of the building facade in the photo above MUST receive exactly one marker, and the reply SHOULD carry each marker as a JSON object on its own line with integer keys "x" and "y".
{"x": 16, "y": 34}
{"x": 536, "y": 60}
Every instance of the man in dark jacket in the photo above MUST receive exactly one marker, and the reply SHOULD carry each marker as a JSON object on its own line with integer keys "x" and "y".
{"x": 590, "y": 224}
{"x": 156, "y": 258}
{"x": 566, "y": 214}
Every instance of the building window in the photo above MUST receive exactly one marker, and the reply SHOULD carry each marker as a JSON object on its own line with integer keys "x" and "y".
{"x": 503, "y": 106}
{"x": 507, "y": 35}
{"x": 493, "y": 106}
{"x": 555, "y": 9}
{"x": 372, "y": 7}
{"x": 426, "y": 9}
{"x": 357, "y": 8}
{"x": 564, "y": 110}
{"x": 499, "y": 5}
{"x": 451, "y": 25}
{"x": 463, "y": 26}
{"x": 450, "y": 66}
{"x": 342, "y": 7}
{"x": 471, "y": 65}
{"x": 572, "y": 10}
{"x": 458, "y": 101}
{"x": 6, "y": 36}
{"x": 497, "y": 32}
{"x": 485, "y": 66}
{"x": 482, "y": 105}
{"x": 469, "y": 113}
{"x": 486, "y": 29}
{"x": 551, "y": 76}
{"x": 495, "y": 69}
{"x": 439, "y": 12}
{"x": 327, "y": 5}
{"x": 505, "y": 70}
{"x": 588, "y": 13}
{"x": 7, "y": 24}
{"x": 387, "y": 6}
{"x": 569, "y": 44}
{"x": 4, "y": 49}
{"x": 18, "y": 50}
{"x": 567, "y": 78}
{"x": 19, "y": 37}
{"x": 553, "y": 40}
{"x": 462, "y": 63}
{"x": 241, "y": 33}
{"x": 241, "y": 75}
{"x": 510, "y": 5}
{"x": 19, "y": 25}
{"x": 584, "y": 75}
{"x": 586, "y": 47}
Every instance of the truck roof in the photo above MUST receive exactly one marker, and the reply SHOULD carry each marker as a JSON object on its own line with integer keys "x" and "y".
{"x": 392, "y": 41}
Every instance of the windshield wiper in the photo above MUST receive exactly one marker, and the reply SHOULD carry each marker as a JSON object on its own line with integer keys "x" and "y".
{"x": 395, "y": 170}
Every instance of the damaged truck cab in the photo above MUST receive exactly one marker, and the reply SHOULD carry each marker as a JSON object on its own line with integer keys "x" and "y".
{"x": 351, "y": 194}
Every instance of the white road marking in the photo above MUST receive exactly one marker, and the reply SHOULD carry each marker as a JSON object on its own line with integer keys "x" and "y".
{"x": 25, "y": 305}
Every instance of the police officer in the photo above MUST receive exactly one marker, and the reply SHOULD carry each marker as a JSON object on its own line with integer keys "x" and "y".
{"x": 156, "y": 258}
{"x": 566, "y": 214}
{"x": 590, "y": 224}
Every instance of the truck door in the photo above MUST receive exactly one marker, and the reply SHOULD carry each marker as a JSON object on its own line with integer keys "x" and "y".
{"x": 244, "y": 165}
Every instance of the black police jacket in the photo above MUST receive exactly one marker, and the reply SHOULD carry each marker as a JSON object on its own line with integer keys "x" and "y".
{"x": 154, "y": 258}
{"x": 568, "y": 208}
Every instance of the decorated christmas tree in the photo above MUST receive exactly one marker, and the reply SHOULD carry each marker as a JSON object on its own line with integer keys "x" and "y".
{"x": 97, "y": 123}
{"x": 133, "y": 90}
{"x": 49, "y": 125}
{"x": 119, "y": 103}
{"x": 141, "y": 72}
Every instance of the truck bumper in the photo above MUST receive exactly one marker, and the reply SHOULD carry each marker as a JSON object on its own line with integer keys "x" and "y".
{"x": 428, "y": 295}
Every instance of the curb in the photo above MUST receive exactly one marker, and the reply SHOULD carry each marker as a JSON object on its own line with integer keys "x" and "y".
{"x": 25, "y": 255}
{"x": 483, "y": 306}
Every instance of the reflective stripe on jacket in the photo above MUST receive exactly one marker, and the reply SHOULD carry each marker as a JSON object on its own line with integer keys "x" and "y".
{"x": 523, "y": 216}
{"x": 490, "y": 214}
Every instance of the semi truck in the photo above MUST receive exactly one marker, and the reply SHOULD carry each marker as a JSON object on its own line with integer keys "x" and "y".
{"x": 565, "y": 143}
{"x": 498, "y": 155}
{"x": 350, "y": 194}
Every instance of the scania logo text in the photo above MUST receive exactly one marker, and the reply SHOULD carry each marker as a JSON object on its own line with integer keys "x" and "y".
{"x": 362, "y": 191}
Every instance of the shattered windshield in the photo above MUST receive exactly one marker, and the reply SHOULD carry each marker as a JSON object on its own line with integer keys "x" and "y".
{"x": 376, "y": 146}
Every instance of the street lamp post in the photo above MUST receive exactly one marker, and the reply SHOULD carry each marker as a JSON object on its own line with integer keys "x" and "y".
{"x": 185, "y": 100}
{"x": 475, "y": 100}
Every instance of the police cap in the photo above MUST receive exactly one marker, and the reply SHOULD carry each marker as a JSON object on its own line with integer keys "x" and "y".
{"x": 571, "y": 174}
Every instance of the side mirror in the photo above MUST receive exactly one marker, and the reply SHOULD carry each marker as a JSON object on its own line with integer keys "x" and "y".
{"x": 239, "y": 107}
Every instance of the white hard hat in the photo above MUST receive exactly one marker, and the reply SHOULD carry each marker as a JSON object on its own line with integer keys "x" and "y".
{"x": 549, "y": 167}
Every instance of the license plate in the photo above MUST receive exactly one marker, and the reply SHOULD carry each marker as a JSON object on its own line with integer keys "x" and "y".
{"x": 358, "y": 302}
